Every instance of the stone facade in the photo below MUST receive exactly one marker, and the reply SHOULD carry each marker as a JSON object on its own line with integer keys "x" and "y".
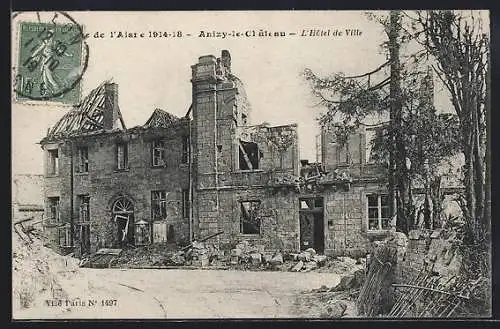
{"x": 103, "y": 182}
{"x": 242, "y": 179}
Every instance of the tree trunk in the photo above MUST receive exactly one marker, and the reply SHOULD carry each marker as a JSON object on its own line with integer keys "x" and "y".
{"x": 398, "y": 169}
{"x": 487, "y": 192}
{"x": 437, "y": 202}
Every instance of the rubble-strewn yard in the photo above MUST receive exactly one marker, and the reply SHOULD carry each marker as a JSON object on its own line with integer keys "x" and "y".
{"x": 332, "y": 302}
{"x": 38, "y": 272}
{"x": 251, "y": 287}
{"x": 243, "y": 257}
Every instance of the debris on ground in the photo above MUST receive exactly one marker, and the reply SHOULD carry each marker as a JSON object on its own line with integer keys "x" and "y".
{"x": 38, "y": 272}
{"x": 144, "y": 256}
{"x": 332, "y": 302}
{"x": 242, "y": 256}
{"x": 103, "y": 258}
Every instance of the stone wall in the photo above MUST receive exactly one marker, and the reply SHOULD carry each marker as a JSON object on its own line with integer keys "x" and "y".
{"x": 104, "y": 183}
{"x": 221, "y": 117}
{"x": 278, "y": 212}
{"x": 346, "y": 224}
{"x": 427, "y": 250}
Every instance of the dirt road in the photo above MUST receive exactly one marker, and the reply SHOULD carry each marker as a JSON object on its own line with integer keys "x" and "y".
{"x": 182, "y": 294}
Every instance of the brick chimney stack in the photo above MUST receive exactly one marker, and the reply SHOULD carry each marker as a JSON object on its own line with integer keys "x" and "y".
{"x": 111, "y": 109}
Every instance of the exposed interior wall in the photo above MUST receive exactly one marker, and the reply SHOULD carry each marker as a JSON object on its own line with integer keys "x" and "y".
{"x": 221, "y": 129}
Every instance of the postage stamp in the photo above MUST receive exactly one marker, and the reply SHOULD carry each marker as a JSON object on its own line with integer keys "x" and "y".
{"x": 51, "y": 60}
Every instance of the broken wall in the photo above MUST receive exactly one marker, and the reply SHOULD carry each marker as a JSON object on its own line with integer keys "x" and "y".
{"x": 221, "y": 116}
{"x": 278, "y": 146}
{"x": 431, "y": 250}
{"x": 351, "y": 154}
{"x": 278, "y": 214}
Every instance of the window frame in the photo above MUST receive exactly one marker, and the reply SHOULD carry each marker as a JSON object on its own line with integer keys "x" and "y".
{"x": 122, "y": 165}
{"x": 155, "y": 161}
{"x": 257, "y": 217}
{"x": 54, "y": 209}
{"x": 84, "y": 207}
{"x": 368, "y": 144}
{"x": 53, "y": 162}
{"x": 82, "y": 166}
{"x": 379, "y": 208}
{"x": 162, "y": 198}
{"x": 255, "y": 165}
{"x": 66, "y": 230}
{"x": 346, "y": 160}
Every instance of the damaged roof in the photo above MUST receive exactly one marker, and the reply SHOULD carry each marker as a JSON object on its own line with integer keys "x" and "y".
{"x": 87, "y": 116}
{"x": 160, "y": 119}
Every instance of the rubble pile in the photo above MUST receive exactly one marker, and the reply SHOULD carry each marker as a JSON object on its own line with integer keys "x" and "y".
{"x": 37, "y": 272}
{"x": 333, "y": 302}
{"x": 243, "y": 256}
{"x": 307, "y": 261}
{"x": 342, "y": 265}
{"x": 199, "y": 254}
{"x": 144, "y": 256}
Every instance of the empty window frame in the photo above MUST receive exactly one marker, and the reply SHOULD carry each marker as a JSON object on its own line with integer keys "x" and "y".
{"x": 249, "y": 155}
{"x": 250, "y": 217}
{"x": 343, "y": 153}
{"x": 84, "y": 208}
{"x": 378, "y": 212}
{"x": 158, "y": 205}
{"x": 122, "y": 156}
{"x": 185, "y": 150}
{"x": 370, "y": 135}
{"x": 53, "y": 162}
{"x": 158, "y": 153}
{"x": 82, "y": 156}
{"x": 53, "y": 215}
{"x": 65, "y": 236}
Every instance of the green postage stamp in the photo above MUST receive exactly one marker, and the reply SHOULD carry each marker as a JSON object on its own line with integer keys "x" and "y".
{"x": 50, "y": 63}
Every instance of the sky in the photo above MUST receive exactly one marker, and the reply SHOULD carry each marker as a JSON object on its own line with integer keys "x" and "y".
{"x": 155, "y": 72}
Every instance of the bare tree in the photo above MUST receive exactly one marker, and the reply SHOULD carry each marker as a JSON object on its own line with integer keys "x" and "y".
{"x": 460, "y": 47}
{"x": 412, "y": 142}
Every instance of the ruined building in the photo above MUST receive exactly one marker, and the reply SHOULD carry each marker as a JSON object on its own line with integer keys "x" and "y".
{"x": 178, "y": 179}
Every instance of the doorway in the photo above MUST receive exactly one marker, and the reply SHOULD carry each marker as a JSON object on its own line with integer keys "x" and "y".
{"x": 312, "y": 225}
{"x": 123, "y": 216}
{"x": 85, "y": 239}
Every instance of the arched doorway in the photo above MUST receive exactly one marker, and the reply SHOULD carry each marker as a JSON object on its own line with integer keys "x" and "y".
{"x": 123, "y": 216}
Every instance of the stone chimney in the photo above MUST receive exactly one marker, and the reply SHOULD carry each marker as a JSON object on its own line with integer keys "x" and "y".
{"x": 111, "y": 109}
{"x": 226, "y": 60}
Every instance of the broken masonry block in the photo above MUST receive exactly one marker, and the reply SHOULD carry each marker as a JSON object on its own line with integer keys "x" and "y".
{"x": 236, "y": 252}
{"x": 311, "y": 251}
{"x": 234, "y": 260}
{"x": 309, "y": 266}
{"x": 304, "y": 256}
{"x": 256, "y": 258}
{"x": 297, "y": 267}
{"x": 277, "y": 259}
{"x": 267, "y": 256}
{"x": 320, "y": 259}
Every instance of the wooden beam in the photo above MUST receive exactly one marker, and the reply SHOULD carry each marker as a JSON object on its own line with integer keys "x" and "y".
{"x": 245, "y": 156}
